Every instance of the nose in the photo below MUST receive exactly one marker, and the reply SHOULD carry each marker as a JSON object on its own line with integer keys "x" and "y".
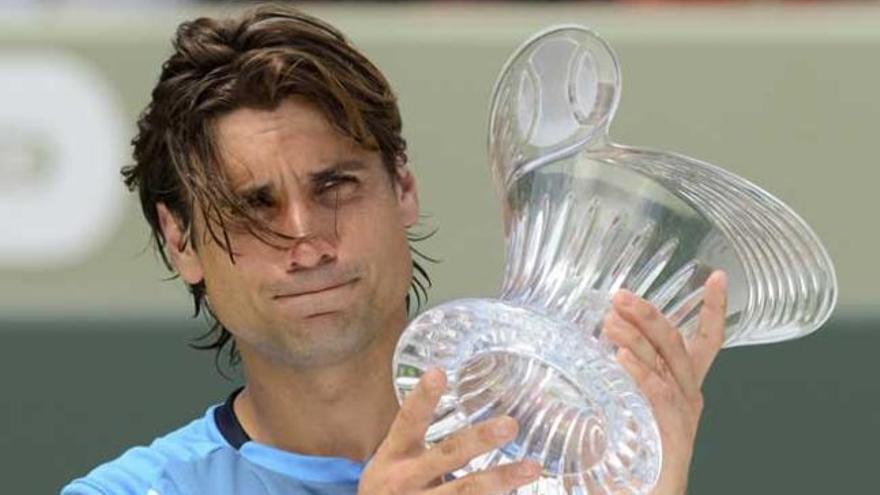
{"x": 309, "y": 252}
{"x": 313, "y": 229}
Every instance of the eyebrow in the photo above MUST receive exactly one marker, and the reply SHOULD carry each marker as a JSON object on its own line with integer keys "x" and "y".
{"x": 315, "y": 177}
{"x": 332, "y": 170}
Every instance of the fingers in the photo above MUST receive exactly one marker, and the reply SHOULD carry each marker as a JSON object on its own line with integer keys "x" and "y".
{"x": 624, "y": 334}
{"x": 407, "y": 432}
{"x": 500, "y": 479}
{"x": 457, "y": 450}
{"x": 666, "y": 398}
{"x": 674, "y": 394}
{"x": 676, "y": 419}
{"x": 649, "y": 381}
{"x": 665, "y": 338}
{"x": 704, "y": 345}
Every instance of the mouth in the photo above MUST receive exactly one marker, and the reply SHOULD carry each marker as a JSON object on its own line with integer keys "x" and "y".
{"x": 319, "y": 315}
{"x": 318, "y": 290}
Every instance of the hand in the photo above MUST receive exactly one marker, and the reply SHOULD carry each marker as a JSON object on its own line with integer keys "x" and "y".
{"x": 404, "y": 465}
{"x": 670, "y": 370}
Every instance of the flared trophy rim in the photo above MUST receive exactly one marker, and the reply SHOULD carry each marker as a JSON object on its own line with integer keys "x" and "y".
{"x": 823, "y": 266}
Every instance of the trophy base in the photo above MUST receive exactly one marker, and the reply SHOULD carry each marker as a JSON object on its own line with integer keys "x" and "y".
{"x": 580, "y": 414}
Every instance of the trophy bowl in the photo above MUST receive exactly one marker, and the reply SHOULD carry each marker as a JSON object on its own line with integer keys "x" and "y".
{"x": 585, "y": 217}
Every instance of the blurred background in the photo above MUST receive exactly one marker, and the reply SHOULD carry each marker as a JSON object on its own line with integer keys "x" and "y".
{"x": 94, "y": 352}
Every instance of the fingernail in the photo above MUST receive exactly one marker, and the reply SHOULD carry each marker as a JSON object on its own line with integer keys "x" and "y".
{"x": 609, "y": 318}
{"x": 434, "y": 380}
{"x": 504, "y": 428}
{"x": 721, "y": 278}
{"x": 614, "y": 317}
{"x": 625, "y": 297}
{"x": 528, "y": 469}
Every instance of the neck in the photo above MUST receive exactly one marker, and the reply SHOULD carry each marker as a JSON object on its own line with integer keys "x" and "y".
{"x": 340, "y": 410}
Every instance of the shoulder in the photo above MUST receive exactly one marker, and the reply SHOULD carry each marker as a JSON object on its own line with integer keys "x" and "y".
{"x": 218, "y": 472}
{"x": 223, "y": 471}
{"x": 137, "y": 470}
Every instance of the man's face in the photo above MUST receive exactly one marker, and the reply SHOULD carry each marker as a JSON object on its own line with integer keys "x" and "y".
{"x": 341, "y": 283}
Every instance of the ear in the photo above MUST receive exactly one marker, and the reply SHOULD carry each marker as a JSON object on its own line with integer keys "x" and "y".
{"x": 181, "y": 252}
{"x": 407, "y": 196}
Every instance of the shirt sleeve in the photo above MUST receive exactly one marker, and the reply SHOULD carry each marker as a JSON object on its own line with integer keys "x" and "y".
{"x": 82, "y": 487}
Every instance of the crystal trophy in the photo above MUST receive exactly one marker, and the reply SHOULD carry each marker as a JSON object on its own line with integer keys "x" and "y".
{"x": 584, "y": 217}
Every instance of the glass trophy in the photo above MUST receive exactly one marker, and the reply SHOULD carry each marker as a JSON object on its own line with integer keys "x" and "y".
{"x": 584, "y": 217}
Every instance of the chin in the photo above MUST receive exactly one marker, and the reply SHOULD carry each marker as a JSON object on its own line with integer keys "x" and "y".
{"x": 323, "y": 339}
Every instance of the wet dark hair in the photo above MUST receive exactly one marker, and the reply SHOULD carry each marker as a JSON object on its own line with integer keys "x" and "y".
{"x": 255, "y": 60}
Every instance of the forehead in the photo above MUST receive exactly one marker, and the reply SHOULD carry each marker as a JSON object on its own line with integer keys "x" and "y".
{"x": 293, "y": 138}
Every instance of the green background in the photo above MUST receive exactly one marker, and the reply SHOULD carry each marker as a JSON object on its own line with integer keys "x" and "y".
{"x": 93, "y": 355}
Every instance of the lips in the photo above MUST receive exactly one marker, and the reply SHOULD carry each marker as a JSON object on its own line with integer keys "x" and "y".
{"x": 316, "y": 300}
{"x": 314, "y": 289}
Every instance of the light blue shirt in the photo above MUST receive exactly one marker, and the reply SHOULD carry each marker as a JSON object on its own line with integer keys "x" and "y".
{"x": 213, "y": 455}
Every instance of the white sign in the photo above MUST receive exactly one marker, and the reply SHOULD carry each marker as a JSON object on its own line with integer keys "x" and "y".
{"x": 61, "y": 147}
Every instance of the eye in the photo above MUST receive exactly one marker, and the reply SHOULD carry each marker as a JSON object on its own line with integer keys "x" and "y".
{"x": 338, "y": 186}
{"x": 260, "y": 199}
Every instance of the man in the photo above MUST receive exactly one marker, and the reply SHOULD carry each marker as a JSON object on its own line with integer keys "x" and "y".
{"x": 272, "y": 171}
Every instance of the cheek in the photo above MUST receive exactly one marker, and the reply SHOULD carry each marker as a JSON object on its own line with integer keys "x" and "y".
{"x": 234, "y": 289}
{"x": 387, "y": 248}
{"x": 374, "y": 224}
{"x": 373, "y": 233}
